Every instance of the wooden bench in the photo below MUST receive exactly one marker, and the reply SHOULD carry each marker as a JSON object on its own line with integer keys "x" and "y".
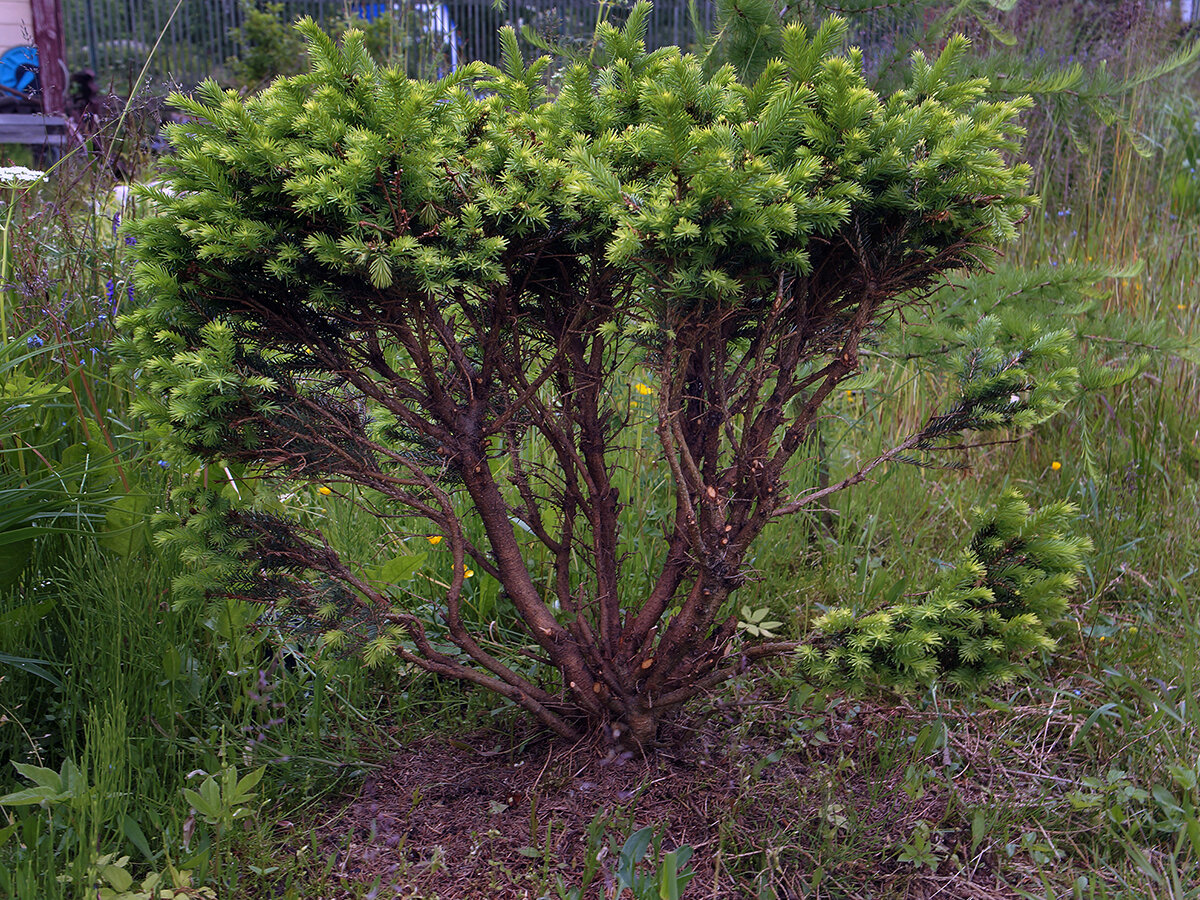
{"x": 38, "y": 131}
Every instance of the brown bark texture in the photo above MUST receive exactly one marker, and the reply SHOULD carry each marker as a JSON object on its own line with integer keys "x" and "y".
{"x": 522, "y": 422}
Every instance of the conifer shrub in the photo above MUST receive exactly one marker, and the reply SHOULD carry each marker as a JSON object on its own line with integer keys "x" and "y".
{"x": 430, "y": 298}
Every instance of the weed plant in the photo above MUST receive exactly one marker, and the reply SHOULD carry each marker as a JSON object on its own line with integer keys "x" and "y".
{"x": 101, "y": 683}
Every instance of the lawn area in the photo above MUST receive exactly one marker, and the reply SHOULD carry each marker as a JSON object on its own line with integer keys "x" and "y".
{"x": 164, "y": 737}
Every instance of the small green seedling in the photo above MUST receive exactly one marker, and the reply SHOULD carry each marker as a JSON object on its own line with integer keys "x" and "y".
{"x": 666, "y": 882}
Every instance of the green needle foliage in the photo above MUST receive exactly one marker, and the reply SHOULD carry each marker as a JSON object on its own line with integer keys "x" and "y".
{"x": 992, "y": 607}
{"x": 432, "y": 295}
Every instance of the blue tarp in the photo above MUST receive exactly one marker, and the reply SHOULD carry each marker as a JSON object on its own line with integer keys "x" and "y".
{"x": 19, "y": 68}
{"x": 436, "y": 17}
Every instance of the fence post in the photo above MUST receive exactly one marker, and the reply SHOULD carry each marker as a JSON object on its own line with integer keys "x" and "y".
{"x": 52, "y": 62}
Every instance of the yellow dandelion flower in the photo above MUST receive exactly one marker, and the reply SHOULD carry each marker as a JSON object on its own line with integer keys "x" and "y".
{"x": 1180, "y": 306}
{"x": 1089, "y": 259}
{"x": 324, "y": 490}
{"x": 434, "y": 539}
{"x": 643, "y": 389}
{"x": 634, "y": 403}
{"x": 1103, "y": 638}
{"x": 1056, "y": 465}
{"x": 468, "y": 573}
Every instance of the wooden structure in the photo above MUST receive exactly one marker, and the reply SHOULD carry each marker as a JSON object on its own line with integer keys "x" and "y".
{"x": 16, "y": 23}
{"x": 37, "y": 130}
{"x": 47, "y": 20}
{"x": 37, "y": 24}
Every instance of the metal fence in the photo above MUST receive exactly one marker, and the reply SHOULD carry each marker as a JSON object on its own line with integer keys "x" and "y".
{"x": 187, "y": 41}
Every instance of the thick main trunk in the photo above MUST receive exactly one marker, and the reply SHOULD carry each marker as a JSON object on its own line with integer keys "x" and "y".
{"x": 639, "y": 728}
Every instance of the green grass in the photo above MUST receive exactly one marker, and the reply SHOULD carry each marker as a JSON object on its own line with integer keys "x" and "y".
{"x": 1081, "y": 780}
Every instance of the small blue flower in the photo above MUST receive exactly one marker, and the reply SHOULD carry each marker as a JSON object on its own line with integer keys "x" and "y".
{"x": 130, "y": 292}
{"x": 108, "y": 289}
{"x": 34, "y": 341}
{"x": 130, "y": 240}
{"x": 116, "y": 223}
{"x": 163, "y": 463}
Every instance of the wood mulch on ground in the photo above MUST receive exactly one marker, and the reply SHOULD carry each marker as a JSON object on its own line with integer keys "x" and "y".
{"x": 469, "y": 816}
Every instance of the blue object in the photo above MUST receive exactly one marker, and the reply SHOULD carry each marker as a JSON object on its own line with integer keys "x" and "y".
{"x": 371, "y": 11}
{"x": 19, "y": 67}
{"x": 437, "y": 22}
